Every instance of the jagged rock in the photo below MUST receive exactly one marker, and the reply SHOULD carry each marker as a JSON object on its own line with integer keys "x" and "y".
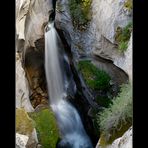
{"x": 99, "y": 37}
{"x": 123, "y": 142}
{"x": 21, "y": 140}
{"x": 22, "y": 8}
{"x": 22, "y": 88}
{"x": 31, "y": 16}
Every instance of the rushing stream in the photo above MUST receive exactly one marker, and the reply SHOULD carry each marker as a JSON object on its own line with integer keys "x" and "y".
{"x": 68, "y": 119}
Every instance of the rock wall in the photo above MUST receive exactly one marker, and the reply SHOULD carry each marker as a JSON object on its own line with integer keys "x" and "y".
{"x": 81, "y": 42}
{"x": 107, "y": 15}
{"x": 99, "y": 36}
{"x": 31, "y": 18}
{"x": 22, "y": 89}
{"x": 125, "y": 61}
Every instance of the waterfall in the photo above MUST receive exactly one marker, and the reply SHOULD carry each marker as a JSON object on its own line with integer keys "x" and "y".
{"x": 68, "y": 119}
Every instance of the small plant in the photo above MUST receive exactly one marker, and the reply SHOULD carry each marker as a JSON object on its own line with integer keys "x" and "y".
{"x": 117, "y": 118}
{"x": 80, "y": 12}
{"x": 123, "y": 46}
{"x": 95, "y": 78}
{"x": 122, "y": 37}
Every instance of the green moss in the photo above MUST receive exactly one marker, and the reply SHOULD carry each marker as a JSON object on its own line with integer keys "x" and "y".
{"x": 95, "y": 78}
{"x": 122, "y": 37}
{"x": 128, "y": 4}
{"x": 117, "y": 118}
{"x": 80, "y": 12}
{"x": 24, "y": 124}
{"x": 46, "y": 127}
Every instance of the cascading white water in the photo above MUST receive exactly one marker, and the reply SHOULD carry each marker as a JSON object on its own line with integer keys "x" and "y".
{"x": 69, "y": 122}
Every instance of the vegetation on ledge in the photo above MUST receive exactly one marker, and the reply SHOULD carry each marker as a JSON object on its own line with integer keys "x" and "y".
{"x": 46, "y": 127}
{"x": 122, "y": 37}
{"x": 128, "y": 4}
{"x": 95, "y": 78}
{"x": 80, "y": 12}
{"x": 117, "y": 118}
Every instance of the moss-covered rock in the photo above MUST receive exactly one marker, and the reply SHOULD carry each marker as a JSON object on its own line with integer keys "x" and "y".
{"x": 46, "y": 127}
{"x": 95, "y": 78}
{"x": 24, "y": 124}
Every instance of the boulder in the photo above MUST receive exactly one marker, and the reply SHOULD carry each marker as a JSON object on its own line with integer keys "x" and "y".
{"x": 21, "y": 140}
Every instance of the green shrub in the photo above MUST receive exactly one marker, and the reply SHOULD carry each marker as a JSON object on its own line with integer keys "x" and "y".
{"x": 122, "y": 37}
{"x": 103, "y": 101}
{"x": 46, "y": 127}
{"x": 80, "y": 12}
{"x": 117, "y": 118}
{"x": 95, "y": 78}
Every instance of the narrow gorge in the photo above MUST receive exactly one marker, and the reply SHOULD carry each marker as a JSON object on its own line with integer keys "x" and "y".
{"x": 74, "y": 73}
